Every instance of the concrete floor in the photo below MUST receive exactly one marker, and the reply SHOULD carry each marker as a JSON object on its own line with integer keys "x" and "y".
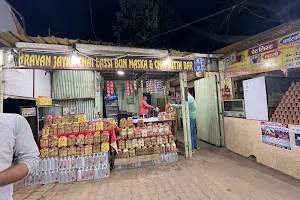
{"x": 212, "y": 173}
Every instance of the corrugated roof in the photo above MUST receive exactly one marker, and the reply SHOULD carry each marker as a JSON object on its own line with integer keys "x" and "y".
{"x": 263, "y": 37}
{"x": 9, "y": 39}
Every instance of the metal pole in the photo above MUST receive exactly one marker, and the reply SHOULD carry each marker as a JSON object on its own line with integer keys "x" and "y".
{"x": 185, "y": 115}
{"x": 2, "y": 64}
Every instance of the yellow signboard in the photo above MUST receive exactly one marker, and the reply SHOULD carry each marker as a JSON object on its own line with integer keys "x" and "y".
{"x": 283, "y": 53}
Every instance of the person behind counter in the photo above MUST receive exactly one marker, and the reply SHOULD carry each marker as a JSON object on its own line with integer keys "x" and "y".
{"x": 192, "y": 112}
{"x": 144, "y": 107}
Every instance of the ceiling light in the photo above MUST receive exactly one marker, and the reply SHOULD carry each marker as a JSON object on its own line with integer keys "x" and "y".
{"x": 75, "y": 60}
{"x": 121, "y": 73}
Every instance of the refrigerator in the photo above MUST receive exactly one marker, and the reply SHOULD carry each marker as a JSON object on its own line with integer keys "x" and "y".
{"x": 255, "y": 98}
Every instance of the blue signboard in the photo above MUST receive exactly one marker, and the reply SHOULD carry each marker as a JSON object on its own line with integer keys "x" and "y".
{"x": 199, "y": 64}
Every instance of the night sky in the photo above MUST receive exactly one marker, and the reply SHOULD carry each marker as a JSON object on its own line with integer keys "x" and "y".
{"x": 71, "y": 19}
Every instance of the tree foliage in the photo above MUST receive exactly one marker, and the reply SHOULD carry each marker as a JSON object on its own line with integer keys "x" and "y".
{"x": 138, "y": 20}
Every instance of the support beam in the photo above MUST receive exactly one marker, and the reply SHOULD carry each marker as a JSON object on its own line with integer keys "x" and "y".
{"x": 2, "y": 65}
{"x": 185, "y": 115}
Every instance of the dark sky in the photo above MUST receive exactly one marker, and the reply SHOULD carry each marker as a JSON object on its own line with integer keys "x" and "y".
{"x": 71, "y": 19}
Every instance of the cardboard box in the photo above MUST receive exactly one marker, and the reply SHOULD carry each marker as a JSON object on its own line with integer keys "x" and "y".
{"x": 144, "y": 158}
{"x": 155, "y": 156}
{"x": 122, "y": 161}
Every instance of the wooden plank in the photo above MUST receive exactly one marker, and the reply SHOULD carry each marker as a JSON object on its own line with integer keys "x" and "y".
{"x": 41, "y": 40}
{"x": 54, "y": 40}
{"x": 25, "y": 38}
{"x": 5, "y": 43}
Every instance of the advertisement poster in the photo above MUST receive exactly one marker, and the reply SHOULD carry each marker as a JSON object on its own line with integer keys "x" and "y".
{"x": 295, "y": 131}
{"x": 283, "y": 53}
{"x": 276, "y": 134}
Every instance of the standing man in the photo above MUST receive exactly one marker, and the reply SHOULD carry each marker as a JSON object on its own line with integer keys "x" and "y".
{"x": 144, "y": 107}
{"x": 192, "y": 112}
{"x": 19, "y": 154}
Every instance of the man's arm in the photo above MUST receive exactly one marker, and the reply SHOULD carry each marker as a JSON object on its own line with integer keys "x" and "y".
{"x": 26, "y": 154}
{"x": 176, "y": 106}
{"x": 145, "y": 104}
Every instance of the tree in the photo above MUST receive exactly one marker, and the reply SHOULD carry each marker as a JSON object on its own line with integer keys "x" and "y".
{"x": 138, "y": 20}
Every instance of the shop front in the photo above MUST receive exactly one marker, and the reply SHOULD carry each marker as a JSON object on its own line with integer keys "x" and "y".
{"x": 261, "y": 110}
{"x": 92, "y": 88}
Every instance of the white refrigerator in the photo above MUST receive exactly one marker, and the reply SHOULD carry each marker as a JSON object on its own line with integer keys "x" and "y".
{"x": 255, "y": 99}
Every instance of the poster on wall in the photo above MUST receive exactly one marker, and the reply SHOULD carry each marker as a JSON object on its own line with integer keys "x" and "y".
{"x": 276, "y": 134}
{"x": 280, "y": 54}
{"x": 295, "y": 132}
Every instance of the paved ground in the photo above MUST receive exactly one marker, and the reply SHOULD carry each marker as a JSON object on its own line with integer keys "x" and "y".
{"x": 212, "y": 173}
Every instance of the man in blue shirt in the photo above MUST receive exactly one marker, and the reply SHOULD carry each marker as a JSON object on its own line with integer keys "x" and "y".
{"x": 192, "y": 112}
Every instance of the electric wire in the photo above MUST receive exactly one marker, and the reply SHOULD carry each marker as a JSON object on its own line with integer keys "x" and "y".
{"x": 188, "y": 24}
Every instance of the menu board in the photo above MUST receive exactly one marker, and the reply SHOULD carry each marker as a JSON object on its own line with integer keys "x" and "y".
{"x": 283, "y": 53}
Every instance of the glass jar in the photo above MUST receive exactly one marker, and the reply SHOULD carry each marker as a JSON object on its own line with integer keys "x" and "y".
{"x": 137, "y": 133}
{"x": 96, "y": 148}
{"x": 61, "y": 128}
{"x": 92, "y": 126}
{"x": 165, "y": 139}
{"x": 144, "y": 132}
{"x": 76, "y": 127}
{"x": 147, "y": 142}
{"x": 121, "y": 144}
{"x": 125, "y": 153}
{"x": 53, "y": 141}
{"x": 159, "y": 140}
{"x": 150, "y": 150}
{"x": 53, "y": 129}
{"x": 72, "y": 151}
{"x": 71, "y": 140}
{"x": 104, "y": 147}
{"x": 84, "y": 127}
{"x": 155, "y": 130}
{"x": 153, "y": 141}
{"x": 48, "y": 120}
{"x": 53, "y": 152}
{"x": 141, "y": 142}
{"x": 145, "y": 151}
{"x": 123, "y": 123}
{"x": 63, "y": 152}
{"x": 167, "y": 127}
{"x": 80, "y": 150}
{"x": 171, "y": 139}
{"x": 46, "y": 130}
{"x": 80, "y": 140}
{"x": 68, "y": 128}
{"x": 44, "y": 152}
{"x": 161, "y": 130}
{"x": 99, "y": 126}
{"x": 128, "y": 144}
{"x": 97, "y": 138}
{"x": 130, "y": 134}
{"x": 104, "y": 136}
{"x": 156, "y": 149}
{"x": 168, "y": 148}
{"x": 132, "y": 152}
{"x": 57, "y": 119}
{"x": 134, "y": 143}
{"x": 88, "y": 149}
{"x": 138, "y": 151}
{"x": 62, "y": 141}
{"x": 123, "y": 134}
{"x": 173, "y": 147}
{"x": 162, "y": 148}
{"x": 44, "y": 142}
{"x": 130, "y": 122}
{"x": 89, "y": 139}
